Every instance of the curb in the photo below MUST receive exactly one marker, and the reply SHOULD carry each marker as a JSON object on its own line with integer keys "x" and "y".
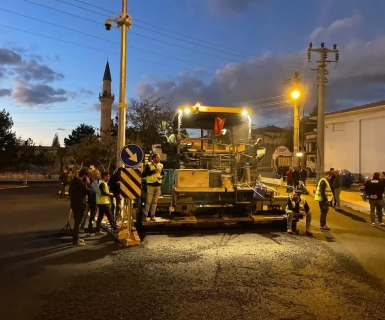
{"x": 13, "y": 187}
{"x": 355, "y": 207}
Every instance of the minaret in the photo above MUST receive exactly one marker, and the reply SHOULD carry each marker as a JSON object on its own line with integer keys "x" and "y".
{"x": 106, "y": 99}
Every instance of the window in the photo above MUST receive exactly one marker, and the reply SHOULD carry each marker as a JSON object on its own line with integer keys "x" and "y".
{"x": 339, "y": 126}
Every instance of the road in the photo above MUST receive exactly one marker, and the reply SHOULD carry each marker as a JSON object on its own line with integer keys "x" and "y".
{"x": 254, "y": 273}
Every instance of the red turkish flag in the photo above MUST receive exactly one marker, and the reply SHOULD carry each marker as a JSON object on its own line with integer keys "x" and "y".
{"x": 218, "y": 125}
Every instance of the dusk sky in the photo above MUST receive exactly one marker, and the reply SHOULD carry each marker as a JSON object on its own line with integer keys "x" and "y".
{"x": 217, "y": 52}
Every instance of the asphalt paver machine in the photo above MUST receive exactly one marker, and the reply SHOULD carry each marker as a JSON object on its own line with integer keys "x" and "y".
{"x": 214, "y": 178}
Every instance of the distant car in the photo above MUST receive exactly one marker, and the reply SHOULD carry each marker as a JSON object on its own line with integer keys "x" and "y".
{"x": 347, "y": 178}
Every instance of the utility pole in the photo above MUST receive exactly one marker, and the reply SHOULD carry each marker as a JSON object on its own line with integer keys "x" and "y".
{"x": 295, "y": 94}
{"x": 123, "y": 21}
{"x": 322, "y": 80}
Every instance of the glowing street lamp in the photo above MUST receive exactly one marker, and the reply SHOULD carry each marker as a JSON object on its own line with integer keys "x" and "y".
{"x": 295, "y": 94}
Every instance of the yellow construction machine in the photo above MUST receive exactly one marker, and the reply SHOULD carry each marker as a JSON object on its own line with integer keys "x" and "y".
{"x": 213, "y": 178}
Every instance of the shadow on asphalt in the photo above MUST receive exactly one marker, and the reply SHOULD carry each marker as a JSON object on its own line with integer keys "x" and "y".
{"x": 351, "y": 215}
{"x": 49, "y": 248}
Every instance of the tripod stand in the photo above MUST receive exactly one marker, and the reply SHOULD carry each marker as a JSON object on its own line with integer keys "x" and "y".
{"x": 67, "y": 226}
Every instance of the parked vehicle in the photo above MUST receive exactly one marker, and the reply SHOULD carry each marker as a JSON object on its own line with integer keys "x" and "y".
{"x": 347, "y": 178}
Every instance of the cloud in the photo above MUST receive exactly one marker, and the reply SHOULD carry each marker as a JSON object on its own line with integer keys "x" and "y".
{"x": 8, "y": 57}
{"x": 32, "y": 70}
{"x": 37, "y": 94}
{"x": 358, "y": 78}
{"x": 5, "y": 92}
{"x": 232, "y": 7}
{"x": 61, "y": 129}
{"x": 86, "y": 92}
{"x": 336, "y": 26}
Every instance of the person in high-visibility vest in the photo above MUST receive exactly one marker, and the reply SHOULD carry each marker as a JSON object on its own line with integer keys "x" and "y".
{"x": 297, "y": 206}
{"x": 104, "y": 204}
{"x": 323, "y": 195}
{"x": 153, "y": 172}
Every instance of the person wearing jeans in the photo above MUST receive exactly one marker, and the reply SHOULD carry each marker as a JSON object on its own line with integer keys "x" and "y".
{"x": 323, "y": 195}
{"x": 336, "y": 188}
{"x": 297, "y": 206}
{"x": 374, "y": 188}
{"x": 153, "y": 172}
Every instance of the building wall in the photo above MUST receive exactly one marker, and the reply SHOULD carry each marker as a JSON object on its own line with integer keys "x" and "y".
{"x": 355, "y": 142}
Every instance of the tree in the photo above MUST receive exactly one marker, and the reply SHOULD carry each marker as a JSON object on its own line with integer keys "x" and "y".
{"x": 144, "y": 117}
{"x": 27, "y": 152}
{"x": 96, "y": 151}
{"x": 8, "y": 140}
{"x": 43, "y": 159}
{"x": 78, "y": 134}
{"x": 314, "y": 112}
{"x": 55, "y": 141}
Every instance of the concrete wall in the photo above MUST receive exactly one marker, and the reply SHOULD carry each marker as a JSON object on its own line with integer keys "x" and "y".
{"x": 354, "y": 141}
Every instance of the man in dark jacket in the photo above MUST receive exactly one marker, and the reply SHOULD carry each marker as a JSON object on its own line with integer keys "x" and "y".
{"x": 296, "y": 177}
{"x": 78, "y": 192}
{"x": 303, "y": 175}
{"x": 298, "y": 207}
{"x": 336, "y": 188}
{"x": 374, "y": 189}
{"x": 63, "y": 178}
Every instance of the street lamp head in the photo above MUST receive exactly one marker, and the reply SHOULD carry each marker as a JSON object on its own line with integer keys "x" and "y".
{"x": 187, "y": 110}
{"x": 244, "y": 112}
{"x": 295, "y": 94}
{"x": 299, "y": 154}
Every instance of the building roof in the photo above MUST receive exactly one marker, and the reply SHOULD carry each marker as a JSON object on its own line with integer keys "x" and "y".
{"x": 358, "y": 108}
{"x": 269, "y": 128}
{"x": 107, "y": 73}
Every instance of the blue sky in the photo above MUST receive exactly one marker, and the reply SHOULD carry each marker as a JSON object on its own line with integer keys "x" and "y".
{"x": 218, "y": 52}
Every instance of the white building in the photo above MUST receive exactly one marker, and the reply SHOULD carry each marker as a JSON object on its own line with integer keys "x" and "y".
{"x": 354, "y": 139}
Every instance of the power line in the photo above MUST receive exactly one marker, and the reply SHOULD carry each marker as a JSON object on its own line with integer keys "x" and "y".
{"x": 177, "y": 33}
{"x": 111, "y": 41}
{"x": 114, "y": 53}
{"x": 174, "y": 37}
{"x": 150, "y": 38}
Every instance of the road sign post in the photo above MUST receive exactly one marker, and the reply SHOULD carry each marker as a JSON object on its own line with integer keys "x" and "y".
{"x": 131, "y": 186}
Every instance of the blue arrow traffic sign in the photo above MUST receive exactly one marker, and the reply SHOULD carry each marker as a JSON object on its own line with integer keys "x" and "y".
{"x": 131, "y": 155}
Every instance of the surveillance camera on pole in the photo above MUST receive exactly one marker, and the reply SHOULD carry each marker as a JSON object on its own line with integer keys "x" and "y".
{"x": 121, "y": 19}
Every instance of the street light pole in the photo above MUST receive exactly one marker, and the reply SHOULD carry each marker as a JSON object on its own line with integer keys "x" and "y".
{"x": 295, "y": 94}
{"x": 321, "y": 76}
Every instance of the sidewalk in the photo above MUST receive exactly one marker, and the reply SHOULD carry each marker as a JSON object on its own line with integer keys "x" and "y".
{"x": 350, "y": 199}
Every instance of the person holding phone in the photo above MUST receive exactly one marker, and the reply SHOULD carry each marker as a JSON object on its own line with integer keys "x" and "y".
{"x": 153, "y": 172}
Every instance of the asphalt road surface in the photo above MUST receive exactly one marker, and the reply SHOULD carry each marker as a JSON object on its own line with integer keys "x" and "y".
{"x": 254, "y": 273}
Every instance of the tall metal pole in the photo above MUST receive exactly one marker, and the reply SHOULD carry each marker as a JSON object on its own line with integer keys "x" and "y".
{"x": 122, "y": 89}
{"x": 295, "y": 95}
{"x": 320, "y": 167}
{"x": 321, "y": 75}
{"x": 296, "y": 132}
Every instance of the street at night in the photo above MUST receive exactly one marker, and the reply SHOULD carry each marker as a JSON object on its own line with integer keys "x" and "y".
{"x": 216, "y": 273}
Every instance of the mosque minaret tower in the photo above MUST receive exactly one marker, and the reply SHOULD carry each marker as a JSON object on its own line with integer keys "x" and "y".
{"x": 106, "y": 99}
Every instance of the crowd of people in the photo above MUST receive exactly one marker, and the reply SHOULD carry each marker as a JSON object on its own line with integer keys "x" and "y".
{"x": 93, "y": 193}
